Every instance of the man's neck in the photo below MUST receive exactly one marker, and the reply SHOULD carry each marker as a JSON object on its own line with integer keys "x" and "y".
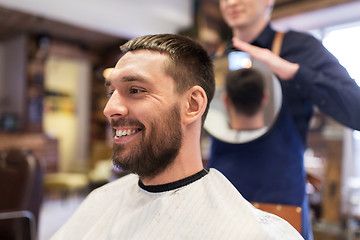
{"x": 244, "y": 123}
{"x": 174, "y": 172}
{"x": 187, "y": 163}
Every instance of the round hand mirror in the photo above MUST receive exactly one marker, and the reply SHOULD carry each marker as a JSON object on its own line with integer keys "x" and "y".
{"x": 218, "y": 123}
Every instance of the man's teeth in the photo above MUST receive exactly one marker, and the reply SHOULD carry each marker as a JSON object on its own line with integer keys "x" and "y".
{"x": 121, "y": 133}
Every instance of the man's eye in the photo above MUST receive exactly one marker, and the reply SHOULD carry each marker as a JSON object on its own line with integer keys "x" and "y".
{"x": 135, "y": 90}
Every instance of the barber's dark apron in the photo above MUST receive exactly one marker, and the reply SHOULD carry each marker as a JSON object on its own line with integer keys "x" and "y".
{"x": 269, "y": 169}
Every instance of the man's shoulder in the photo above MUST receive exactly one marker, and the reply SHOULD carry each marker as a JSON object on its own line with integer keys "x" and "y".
{"x": 299, "y": 37}
{"x": 225, "y": 207}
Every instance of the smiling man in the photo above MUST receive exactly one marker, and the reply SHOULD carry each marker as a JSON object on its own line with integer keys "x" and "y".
{"x": 159, "y": 93}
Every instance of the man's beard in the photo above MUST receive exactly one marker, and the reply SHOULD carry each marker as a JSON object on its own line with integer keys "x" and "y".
{"x": 157, "y": 150}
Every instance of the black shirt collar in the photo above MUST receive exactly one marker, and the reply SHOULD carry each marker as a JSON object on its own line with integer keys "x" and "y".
{"x": 173, "y": 185}
{"x": 264, "y": 40}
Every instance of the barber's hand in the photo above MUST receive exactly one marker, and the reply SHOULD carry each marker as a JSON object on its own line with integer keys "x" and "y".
{"x": 284, "y": 69}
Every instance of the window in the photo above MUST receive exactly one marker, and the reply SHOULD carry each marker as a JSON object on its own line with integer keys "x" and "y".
{"x": 344, "y": 43}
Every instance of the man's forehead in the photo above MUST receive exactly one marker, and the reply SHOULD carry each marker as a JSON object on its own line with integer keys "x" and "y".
{"x": 141, "y": 66}
{"x": 141, "y": 56}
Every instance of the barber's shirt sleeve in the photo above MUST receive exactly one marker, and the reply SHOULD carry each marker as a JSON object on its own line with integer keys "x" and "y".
{"x": 324, "y": 82}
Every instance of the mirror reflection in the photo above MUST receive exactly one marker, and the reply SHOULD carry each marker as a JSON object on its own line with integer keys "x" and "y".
{"x": 247, "y": 99}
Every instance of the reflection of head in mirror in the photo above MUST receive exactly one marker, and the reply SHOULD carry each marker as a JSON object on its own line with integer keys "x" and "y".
{"x": 245, "y": 98}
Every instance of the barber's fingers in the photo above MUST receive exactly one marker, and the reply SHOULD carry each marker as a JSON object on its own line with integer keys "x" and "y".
{"x": 262, "y": 54}
{"x": 284, "y": 69}
{"x": 258, "y": 53}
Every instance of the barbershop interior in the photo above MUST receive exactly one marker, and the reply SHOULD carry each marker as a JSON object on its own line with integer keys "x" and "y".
{"x": 56, "y": 143}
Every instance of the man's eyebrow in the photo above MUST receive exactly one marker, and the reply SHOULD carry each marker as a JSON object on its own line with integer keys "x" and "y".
{"x": 126, "y": 79}
{"x": 133, "y": 79}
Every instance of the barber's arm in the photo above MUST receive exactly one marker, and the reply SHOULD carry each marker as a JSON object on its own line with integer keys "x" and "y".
{"x": 285, "y": 70}
{"x": 319, "y": 77}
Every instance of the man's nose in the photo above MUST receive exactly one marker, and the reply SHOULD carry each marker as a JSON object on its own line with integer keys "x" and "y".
{"x": 115, "y": 106}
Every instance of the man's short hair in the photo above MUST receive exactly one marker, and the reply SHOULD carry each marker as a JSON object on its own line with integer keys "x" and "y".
{"x": 245, "y": 89}
{"x": 189, "y": 64}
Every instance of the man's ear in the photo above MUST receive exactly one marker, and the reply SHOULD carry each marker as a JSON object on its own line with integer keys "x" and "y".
{"x": 195, "y": 104}
{"x": 266, "y": 97}
{"x": 226, "y": 100}
{"x": 230, "y": 109}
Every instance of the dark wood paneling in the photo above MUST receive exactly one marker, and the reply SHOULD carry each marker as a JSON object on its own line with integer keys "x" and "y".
{"x": 15, "y": 22}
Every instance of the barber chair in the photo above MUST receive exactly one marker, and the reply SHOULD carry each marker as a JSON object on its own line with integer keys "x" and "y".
{"x": 21, "y": 190}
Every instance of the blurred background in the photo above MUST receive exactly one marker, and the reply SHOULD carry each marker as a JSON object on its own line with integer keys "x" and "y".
{"x": 53, "y": 55}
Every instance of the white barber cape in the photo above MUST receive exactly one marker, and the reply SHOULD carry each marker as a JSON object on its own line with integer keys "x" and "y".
{"x": 203, "y": 206}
